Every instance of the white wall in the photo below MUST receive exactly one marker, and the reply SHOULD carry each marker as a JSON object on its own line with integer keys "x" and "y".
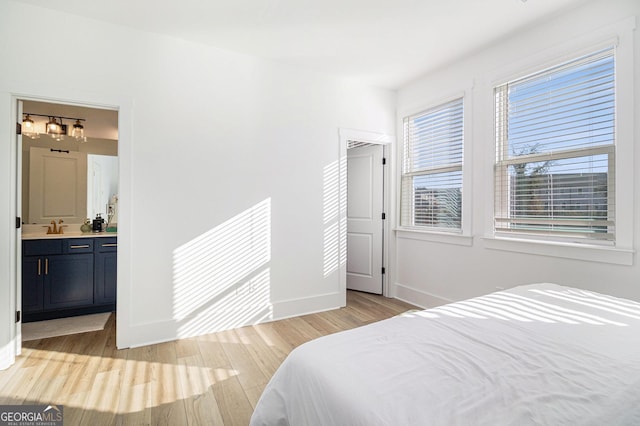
{"x": 432, "y": 272}
{"x": 208, "y": 140}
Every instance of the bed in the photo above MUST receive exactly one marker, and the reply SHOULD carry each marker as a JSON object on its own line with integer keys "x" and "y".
{"x": 539, "y": 354}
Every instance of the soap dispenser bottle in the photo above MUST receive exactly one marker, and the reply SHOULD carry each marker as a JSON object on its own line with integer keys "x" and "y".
{"x": 97, "y": 223}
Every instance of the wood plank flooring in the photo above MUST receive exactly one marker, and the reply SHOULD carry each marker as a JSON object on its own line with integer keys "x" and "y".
{"x": 214, "y": 379}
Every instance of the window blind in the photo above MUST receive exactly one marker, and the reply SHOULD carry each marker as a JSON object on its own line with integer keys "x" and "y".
{"x": 555, "y": 151}
{"x": 431, "y": 194}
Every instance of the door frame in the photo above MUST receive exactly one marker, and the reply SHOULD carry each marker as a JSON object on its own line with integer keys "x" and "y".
{"x": 376, "y": 138}
{"x": 11, "y": 330}
{"x": 374, "y": 156}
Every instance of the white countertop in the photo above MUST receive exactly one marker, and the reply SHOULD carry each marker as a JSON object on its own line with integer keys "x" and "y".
{"x": 70, "y": 234}
{"x": 39, "y": 232}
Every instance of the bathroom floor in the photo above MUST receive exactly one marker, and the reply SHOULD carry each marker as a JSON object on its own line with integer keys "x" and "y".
{"x": 64, "y": 326}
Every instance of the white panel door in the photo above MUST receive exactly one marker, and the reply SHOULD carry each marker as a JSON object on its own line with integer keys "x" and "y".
{"x": 57, "y": 186}
{"x": 364, "y": 218}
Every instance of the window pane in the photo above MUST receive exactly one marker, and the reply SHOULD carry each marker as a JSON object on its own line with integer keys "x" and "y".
{"x": 567, "y": 195}
{"x": 563, "y": 109}
{"x": 434, "y": 138}
{"x": 437, "y": 200}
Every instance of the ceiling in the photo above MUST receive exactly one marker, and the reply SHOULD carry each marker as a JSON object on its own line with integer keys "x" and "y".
{"x": 384, "y": 43}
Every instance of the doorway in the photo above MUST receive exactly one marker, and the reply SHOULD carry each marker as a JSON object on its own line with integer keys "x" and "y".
{"x": 56, "y": 193}
{"x": 355, "y": 139}
{"x": 365, "y": 217}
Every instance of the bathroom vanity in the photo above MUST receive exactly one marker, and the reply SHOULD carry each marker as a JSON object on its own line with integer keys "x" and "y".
{"x": 67, "y": 275}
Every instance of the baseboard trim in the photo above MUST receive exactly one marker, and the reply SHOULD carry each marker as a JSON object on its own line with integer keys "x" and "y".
{"x": 308, "y": 305}
{"x": 7, "y": 356}
{"x": 165, "y": 331}
{"x": 419, "y": 297}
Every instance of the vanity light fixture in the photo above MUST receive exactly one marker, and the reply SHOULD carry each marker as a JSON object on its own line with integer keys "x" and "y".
{"x": 53, "y": 127}
{"x": 29, "y": 128}
{"x": 78, "y": 130}
{"x": 28, "y": 124}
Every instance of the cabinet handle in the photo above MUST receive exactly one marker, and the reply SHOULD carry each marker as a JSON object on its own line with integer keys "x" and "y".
{"x": 79, "y": 247}
{"x": 110, "y": 245}
{"x": 46, "y": 266}
{"x": 39, "y": 267}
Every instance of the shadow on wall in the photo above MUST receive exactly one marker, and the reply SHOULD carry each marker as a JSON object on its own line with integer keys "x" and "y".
{"x": 221, "y": 279}
{"x": 334, "y": 218}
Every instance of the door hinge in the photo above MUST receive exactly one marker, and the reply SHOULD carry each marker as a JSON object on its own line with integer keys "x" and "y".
{"x": 18, "y": 316}
{"x": 383, "y": 270}
{"x": 18, "y": 129}
{"x": 384, "y": 216}
{"x": 18, "y": 222}
{"x": 384, "y": 161}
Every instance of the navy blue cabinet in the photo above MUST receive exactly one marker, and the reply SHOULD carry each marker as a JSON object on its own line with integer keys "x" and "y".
{"x": 106, "y": 269}
{"x": 68, "y": 280}
{"x": 68, "y": 276}
{"x": 32, "y": 284}
{"x": 35, "y": 272}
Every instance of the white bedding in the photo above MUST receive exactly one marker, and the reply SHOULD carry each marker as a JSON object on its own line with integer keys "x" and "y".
{"x": 537, "y": 354}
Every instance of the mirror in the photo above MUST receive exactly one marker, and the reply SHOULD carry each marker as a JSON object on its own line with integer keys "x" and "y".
{"x": 102, "y": 186}
{"x": 72, "y": 180}
{"x": 53, "y": 165}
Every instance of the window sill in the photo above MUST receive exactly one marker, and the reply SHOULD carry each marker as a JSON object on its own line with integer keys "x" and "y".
{"x": 434, "y": 236}
{"x": 591, "y": 253}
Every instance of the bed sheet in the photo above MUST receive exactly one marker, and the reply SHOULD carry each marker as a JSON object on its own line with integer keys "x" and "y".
{"x": 534, "y": 354}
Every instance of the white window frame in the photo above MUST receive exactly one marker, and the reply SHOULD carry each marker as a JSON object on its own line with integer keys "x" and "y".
{"x": 460, "y": 236}
{"x": 504, "y": 160}
{"x": 620, "y": 36}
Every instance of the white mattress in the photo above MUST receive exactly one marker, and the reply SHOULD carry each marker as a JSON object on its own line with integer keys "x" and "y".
{"x": 537, "y": 354}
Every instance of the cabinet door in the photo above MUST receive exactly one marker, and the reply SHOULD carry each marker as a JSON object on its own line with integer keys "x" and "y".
{"x": 105, "y": 277}
{"x": 32, "y": 277}
{"x": 68, "y": 281}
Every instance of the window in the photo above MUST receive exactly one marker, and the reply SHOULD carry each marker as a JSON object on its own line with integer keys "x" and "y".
{"x": 555, "y": 152}
{"x": 431, "y": 196}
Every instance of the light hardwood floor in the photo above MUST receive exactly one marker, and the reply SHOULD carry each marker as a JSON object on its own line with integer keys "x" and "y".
{"x": 214, "y": 379}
